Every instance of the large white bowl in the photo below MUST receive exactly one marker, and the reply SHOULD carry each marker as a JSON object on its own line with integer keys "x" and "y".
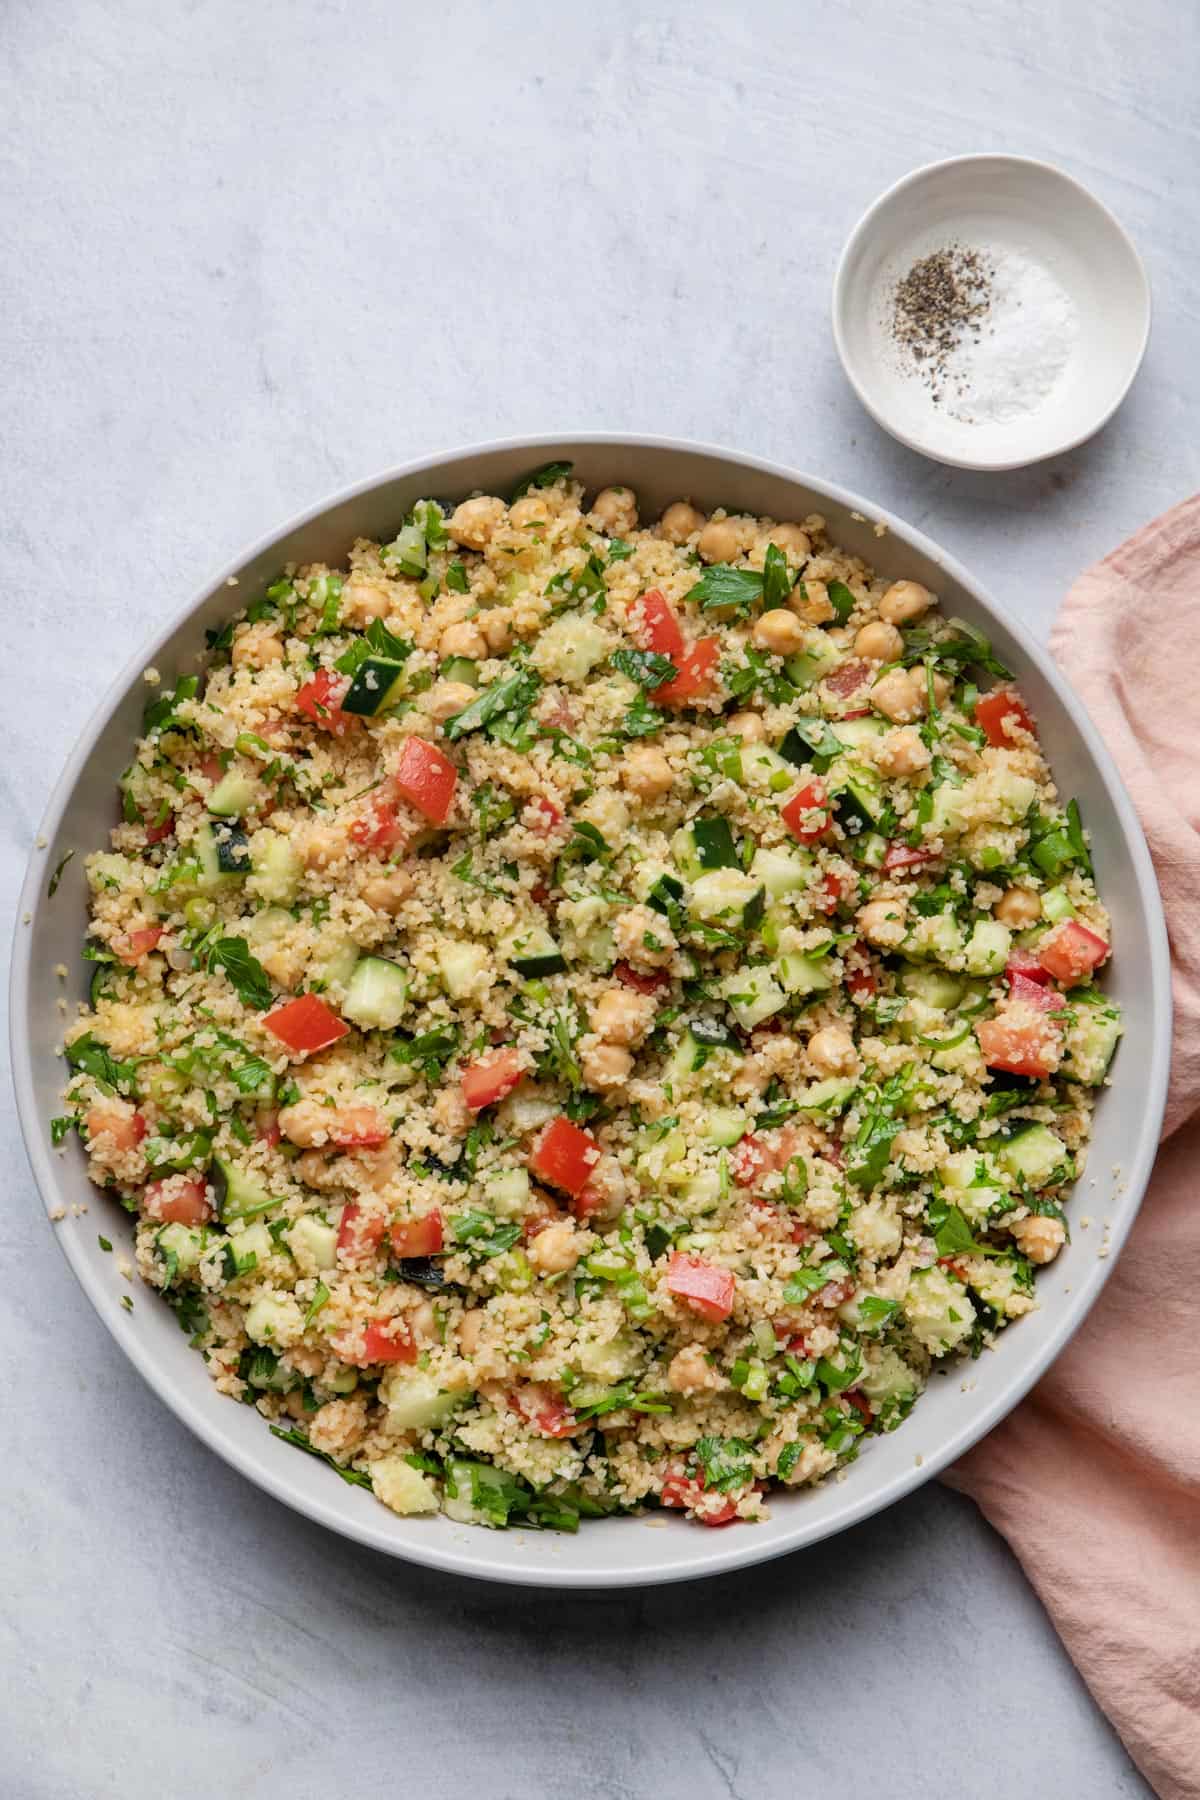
{"x": 616, "y": 1552}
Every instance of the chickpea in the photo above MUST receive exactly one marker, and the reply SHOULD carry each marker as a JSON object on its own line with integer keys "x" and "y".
{"x": 644, "y": 937}
{"x": 615, "y": 510}
{"x": 646, "y": 772}
{"x": 463, "y": 639}
{"x": 473, "y": 524}
{"x": 321, "y": 844}
{"x": 1039, "y": 1238}
{"x": 779, "y": 631}
{"x": 831, "y": 1051}
{"x": 306, "y": 1123}
{"x": 902, "y": 753}
{"x": 622, "y": 1016}
{"x": 422, "y": 1321}
{"x": 900, "y": 695}
{"x": 810, "y": 601}
{"x": 497, "y": 629}
{"x": 720, "y": 541}
{"x": 256, "y": 646}
{"x": 470, "y": 1328}
{"x": 364, "y": 600}
{"x": 680, "y": 522}
{"x": 748, "y": 726}
{"x": 387, "y": 893}
{"x": 904, "y": 602}
{"x": 529, "y": 510}
{"x": 556, "y": 1249}
{"x": 793, "y": 540}
{"x": 882, "y": 922}
{"x": 1018, "y": 907}
{"x": 606, "y": 1066}
{"x": 447, "y": 698}
{"x": 450, "y": 1111}
{"x": 879, "y": 642}
{"x": 689, "y": 1370}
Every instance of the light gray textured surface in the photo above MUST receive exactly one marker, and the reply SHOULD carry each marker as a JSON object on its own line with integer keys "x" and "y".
{"x": 251, "y": 254}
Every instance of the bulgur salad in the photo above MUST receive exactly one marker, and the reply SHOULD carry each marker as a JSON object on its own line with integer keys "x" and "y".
{"x": 588, "y": 1015}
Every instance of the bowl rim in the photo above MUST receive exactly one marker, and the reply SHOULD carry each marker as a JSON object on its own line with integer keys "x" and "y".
{"x": 839, "y": 306}
{"x": 715, "y": 1553}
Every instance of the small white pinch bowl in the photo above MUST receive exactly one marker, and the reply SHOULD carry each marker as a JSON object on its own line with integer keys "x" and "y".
{"x": 999, "y": 204}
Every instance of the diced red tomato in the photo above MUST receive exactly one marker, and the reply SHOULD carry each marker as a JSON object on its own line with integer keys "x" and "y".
{"x": 387, "y": 1341}
{"x": 545, "y": 1410}
{"x": 418, "y": 1237}
{"x": 177, "y": 1200}
{"x": 807, "y": 814}
{"x": 306, "y": 1023}
{"x": 860, "y": 978}
{"x": 694, "y": 674}
{"x": 486, "y": 1082}
{"x": 705, "y": 1287}
{"x": 1000, "y": 715}
{"x": 587, "y": 1202}
{"x": 156, "y": 833}
{"x": 847, "y": 678}
{"x": 858, "y": 1399}
{"x": 540, "y": 894}
{"x": 426, "y": 778}
{"x": 749, "y": 1160}
{"x": 1035, "y": 993}
{"x": 542, "y": 815}
{"x": 1024, "y": 963}
{"x": 1024, "y": 1043}
{"x": 123, "y": 1127}
{"x": 378, "y": 827}
{"x": 268, "y": 1131}
{"x": 834, "y": 890}
{"x": 835, "y": 1293}
{"x": 321, "y": 701}
{"x": 212, "y": 768}
{"x": 1070, "y": 952}
{"x": 358, "y": 1128}
{"x": 654, "y": 625}
{"x": 906, "y": 856}
{"x": 686, "y": 1492}
{"x": 651, "y": 982}
{"x": 565, "y": 1156}
{"x": 138, "y": 944}
{"x": 360, "y": 1233}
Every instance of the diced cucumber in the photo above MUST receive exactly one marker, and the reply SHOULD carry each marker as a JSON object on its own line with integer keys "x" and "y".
{"x": 889, "y": 1378}
{"x": 782, "y": 871}
{"x": 414, "y": 1400}
{"x": 808, "y": 666}
{"x": 468, "y": 1487}
{"x": 988, "y": 947}
{"x": 948, "y": 817}
{"x": 507, "y": 1192}
{"x": 244, "y": 1194}
{"x": 233, "y": 795}
{"x": 376, "y": 994}
{"x": 377, "y": 684}
{"x": 855, "y": 733}
{"x": 313, "y": 1241}
{"x": 248, "y": 1248}
{"x": 752, "y": 995}
{"x": 696, "y": 1048}
{"x": 211, "y": 877}
{"x": 1036, "y": 1156}
{"x": 765, "y": 770}
{"x": 1091, "y": 1039}
{"x": 463, "y": 967}
{"x": 870, "y": 849}
{"x": 938, "y": 1310}
{"x": 569, "y": 648}
{"x": 276, "y": 869}
{"x": 937, "y": 936}
{"x": 804, "y": 974}
{"x": 858, "y": 796}
{"x": 233, "y": 850}
{"x": 1056, "y": 906}
{"x": 726, "y": 896}
{"x": 1007, "y": 795}
{"x": 270, "y": 1318}
{"x": 335, "y": 962}
{"x": 461, "y": 668}
{"x": 830, "y": 1096}
{"x": 974, "y": 1183}
{"x": 936, "y": 987}
{"x": 726, "y": 1125}
{"x": 341, "y": 1380}
{"x": 713, "y": 841}
{"x": 532, "y": 952}
{"x": 701, "y": 1192}
{"x": 183, "y": 1243}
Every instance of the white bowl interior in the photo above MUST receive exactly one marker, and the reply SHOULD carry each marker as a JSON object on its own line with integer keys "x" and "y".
{"x": 1004, "y": 204}
{"x": 957, "y": 1408}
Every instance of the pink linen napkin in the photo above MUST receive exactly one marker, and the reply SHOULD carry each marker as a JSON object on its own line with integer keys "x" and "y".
{"x": 1095, "y": 1479}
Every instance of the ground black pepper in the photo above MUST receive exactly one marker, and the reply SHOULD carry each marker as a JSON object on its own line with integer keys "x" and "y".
{"x": 943, "y": 298}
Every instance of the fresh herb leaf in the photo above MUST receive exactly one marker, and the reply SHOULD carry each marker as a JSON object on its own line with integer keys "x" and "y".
{"x": 642, "y": 719}
{"x": 162, "y": 712}
{"x": 456, "y": 578}
{"x": 61, "y": 1127}
{"x": 777, "y": 582}
{"x": 722, "y": 586}
{"x": 873, "y": 1309}
{"x": 429, "y": 1051}
{"x": 502, "y": 708}
{"x": 646, "y": 667}
{"x": 619, "y": 550}
{"x": 545, "y": 477}
{"x": 320, "y": 1298}
{"x": 233, "y": 956}
{"x": 480, "y": 1236}
{"x": 965, "y": 649}
{"x": 88, "y": 1056}
{"x": 58, "y": 874}
{"x": 841, "y": 599}
{"x": 355, "y": 1477}
{"x": 725, "y": 1462}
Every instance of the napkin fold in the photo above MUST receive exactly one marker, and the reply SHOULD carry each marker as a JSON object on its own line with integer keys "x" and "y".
{"x": 1095, "y": 1479}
